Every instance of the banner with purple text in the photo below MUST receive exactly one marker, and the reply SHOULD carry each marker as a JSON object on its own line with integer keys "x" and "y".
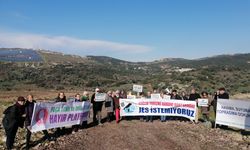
{"x": 52, "y": 115}
{"x": 158, "y": 107}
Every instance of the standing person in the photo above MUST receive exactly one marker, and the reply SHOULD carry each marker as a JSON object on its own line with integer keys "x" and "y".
{"x": 184, "y": 95}
{"x": 223, "y": 94}
{"x": 205, "y": 110}
{"x": 60, "y": 98}
{"x": 109, "y": 105}
{"x": 85, "y": 98}
{"x": 220, "y": 94}
{"x": 149, "y": 118}
{"x": 29, "y": 107}
{"x": 13, "y": 118}
{"x": 116, "y": 98}
{"x": 141, "y": 96}
{"x": 97, "y": 108}
{"x": 214, "y": 102}
{"x": 164, "y": 117}
{"x": 123, "y": 94}
{"x": 175, "y": 96}
{"x": 194, "y": 95}
{"x": 75, "y": 128}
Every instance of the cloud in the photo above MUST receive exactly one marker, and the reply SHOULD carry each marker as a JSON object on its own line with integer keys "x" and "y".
{"x": 68, "y": 45}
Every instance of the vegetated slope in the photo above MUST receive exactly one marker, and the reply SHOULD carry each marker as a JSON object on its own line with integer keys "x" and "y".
{"x": 60, "y": 71}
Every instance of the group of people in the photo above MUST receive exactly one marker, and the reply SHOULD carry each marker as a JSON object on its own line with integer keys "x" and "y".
{"x": 20, "y": 114}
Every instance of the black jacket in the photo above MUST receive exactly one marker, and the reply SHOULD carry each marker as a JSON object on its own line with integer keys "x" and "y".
{"x": 193, "y": 97}
{"x": 29, "y": 107}
{"x": 223, "y": 96}
{"x": 177, "y": 97}
{"x": 97, "y": 106}
{"x": 58, "y": 99}
{"x": 13, "y": 117}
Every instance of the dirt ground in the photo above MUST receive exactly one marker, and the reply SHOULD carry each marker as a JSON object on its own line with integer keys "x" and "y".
{"x": 157, "y": 135}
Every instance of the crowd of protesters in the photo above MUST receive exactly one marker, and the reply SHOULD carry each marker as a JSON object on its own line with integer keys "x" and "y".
{"x": 20, "y": 114}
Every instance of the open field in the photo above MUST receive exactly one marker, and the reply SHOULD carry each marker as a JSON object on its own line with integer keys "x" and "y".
{"x": 131, "y": 134}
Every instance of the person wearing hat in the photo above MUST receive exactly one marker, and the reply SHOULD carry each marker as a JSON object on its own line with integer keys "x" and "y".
{"x": 13, "y": 118}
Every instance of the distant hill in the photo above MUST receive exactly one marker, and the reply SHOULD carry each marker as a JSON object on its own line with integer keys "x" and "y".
{"x": 53, "y": 70}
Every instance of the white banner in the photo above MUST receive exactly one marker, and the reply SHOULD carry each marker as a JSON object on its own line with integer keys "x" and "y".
{"x": 158, "y": 107}
{"x": 52, "y": 115}
{"x": 137, "y": 88}
{"x": 131, "y": 96}
{"x": 203, "y": 102}
{"x": 166, "y": 97}
{"x": 99, "y": 97}
{"x": 235, "y": 113}
{"x": 156, "y": 96}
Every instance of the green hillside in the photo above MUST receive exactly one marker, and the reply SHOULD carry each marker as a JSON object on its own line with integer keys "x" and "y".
{"x": 61, "y": 72}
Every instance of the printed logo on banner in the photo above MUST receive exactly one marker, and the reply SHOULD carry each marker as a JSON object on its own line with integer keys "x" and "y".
{"x": 128, "y": 108}
{"x": 41, "y": 116}
{"x": 203, "y": 102}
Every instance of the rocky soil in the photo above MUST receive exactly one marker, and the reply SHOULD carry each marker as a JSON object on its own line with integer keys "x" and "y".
{"x": 157, "y": 135}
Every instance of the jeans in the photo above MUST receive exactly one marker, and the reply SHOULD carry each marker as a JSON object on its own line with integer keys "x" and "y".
{"x": 163, "y": 118}
{"x": 117, "y": 115}
{"x": 149, "y": 118}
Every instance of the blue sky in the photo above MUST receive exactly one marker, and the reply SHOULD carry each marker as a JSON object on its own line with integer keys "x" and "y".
{"x": 135, "y": 30}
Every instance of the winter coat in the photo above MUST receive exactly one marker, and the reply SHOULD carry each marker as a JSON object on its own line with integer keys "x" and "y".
{"x": 77, "y": 100}
{"x": 85, "y": 98}
{"x": 97, "y": 106}
{"x": 13, "y": 117}
{"x": 109, "y": 104}
{"x": 193, "y": 97}
{"x": 58, "y": 99}
{"x": 223, "y": 96}
{"x": 29, "y": 107}
{"x": 206, "y": 110}
{"x": 177, "y": 97}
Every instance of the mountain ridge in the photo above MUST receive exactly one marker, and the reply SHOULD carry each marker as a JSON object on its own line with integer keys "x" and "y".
{"x": 61, "y": 71}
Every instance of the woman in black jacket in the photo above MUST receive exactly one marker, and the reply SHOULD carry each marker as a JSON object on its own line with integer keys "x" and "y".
{"x": 13, "y": 118}
{"x": 60, "y": 98}
{"x": 29, "y": 107}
